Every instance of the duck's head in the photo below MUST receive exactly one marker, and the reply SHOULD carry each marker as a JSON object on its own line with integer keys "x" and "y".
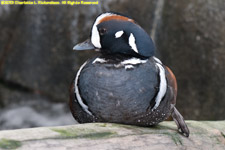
{"x": 113, "y": 33}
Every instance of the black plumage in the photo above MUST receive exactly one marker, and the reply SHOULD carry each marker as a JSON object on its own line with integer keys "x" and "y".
{"x": 125, "y": 83}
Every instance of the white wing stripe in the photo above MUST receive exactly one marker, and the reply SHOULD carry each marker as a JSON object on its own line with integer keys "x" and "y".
{"x": 80, "y": 101}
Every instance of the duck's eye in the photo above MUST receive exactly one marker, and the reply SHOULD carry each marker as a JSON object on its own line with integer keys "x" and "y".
{"x": 102, "y": 31}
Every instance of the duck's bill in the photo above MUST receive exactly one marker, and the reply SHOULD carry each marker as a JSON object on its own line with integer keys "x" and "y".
{"x": 86, "y": 45}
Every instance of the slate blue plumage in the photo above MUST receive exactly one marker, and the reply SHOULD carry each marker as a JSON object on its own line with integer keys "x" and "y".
{"x": 125, "y": 83}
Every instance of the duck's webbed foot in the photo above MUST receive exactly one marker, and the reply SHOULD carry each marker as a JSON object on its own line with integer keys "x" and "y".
{"x": 179, "y": 120}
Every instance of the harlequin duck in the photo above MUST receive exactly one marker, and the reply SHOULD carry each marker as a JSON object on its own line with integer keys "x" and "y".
{"x": 126, "y": 83}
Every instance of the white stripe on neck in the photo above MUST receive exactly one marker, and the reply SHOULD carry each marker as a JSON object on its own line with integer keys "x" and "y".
{"x": 134, "y": 61}
{"x": 132, "y": 43}
{"x": 99, "y": 60}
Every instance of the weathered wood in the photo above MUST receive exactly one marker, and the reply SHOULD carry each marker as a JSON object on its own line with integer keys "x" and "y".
{"x": 204, "y": 135}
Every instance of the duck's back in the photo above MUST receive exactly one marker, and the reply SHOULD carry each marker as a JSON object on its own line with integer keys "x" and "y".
{"x": 127, "y": 84}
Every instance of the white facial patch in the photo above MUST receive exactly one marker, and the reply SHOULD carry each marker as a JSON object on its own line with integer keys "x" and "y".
{"x": 95, "y": 37}
{"x": 132, "y": 43}
{"x": 119, "y": 34}
{"x": 162, "y": 85}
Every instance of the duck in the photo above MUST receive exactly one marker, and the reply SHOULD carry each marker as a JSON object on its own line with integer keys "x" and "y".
{"x": 125, "y": 83}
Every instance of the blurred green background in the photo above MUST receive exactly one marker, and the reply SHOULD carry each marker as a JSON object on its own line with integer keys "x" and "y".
{"x": 37, "y": 64}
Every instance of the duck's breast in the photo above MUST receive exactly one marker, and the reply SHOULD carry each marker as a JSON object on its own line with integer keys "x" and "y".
{"x": 117, "y": 93}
